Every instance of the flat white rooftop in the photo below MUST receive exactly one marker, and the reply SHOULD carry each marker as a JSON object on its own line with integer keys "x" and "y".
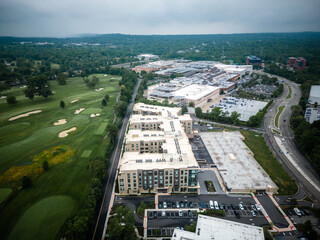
{"x": 245, "y": 107}
{"x": 195, "y": 91}
{"x": 177, "y": 151}
{"x": 219, "y": 229}
{"x": 314, "y": 94}
{"x": 312, "y": 114}
{"x": 235, "y": 162}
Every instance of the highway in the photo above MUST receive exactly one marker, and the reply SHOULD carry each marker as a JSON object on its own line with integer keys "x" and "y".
{"x": 111, "y": 172}
{"x": 302, "y": 171}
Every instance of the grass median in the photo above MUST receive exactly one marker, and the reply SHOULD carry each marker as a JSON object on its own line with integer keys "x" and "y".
{"x": 281, "y": 108}
{"x": 290, "y": 92}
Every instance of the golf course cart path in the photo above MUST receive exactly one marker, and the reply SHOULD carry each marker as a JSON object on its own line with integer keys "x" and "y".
{"x": 25, "y": 115}
{"x": 60, "y": 122}
{"x": 65, "y": 133}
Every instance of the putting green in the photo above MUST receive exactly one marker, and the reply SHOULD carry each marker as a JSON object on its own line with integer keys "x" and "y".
{"x": 86, "y": 153}
{"x": 4, "y": 193}
{"x": 91, "y": 110}
{"x": 43, "y": 219}
{"x": 101, "y": 128}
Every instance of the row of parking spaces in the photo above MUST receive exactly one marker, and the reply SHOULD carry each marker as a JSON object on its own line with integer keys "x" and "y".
{"x": 160, "y": 231}
{"x": 245, "y": 213}
{"x": 205, "y": 205}
{"x": 177, "y": 204}
{"x": 172, "y": 214}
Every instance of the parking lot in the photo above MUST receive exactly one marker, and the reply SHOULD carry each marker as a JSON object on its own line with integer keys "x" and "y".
{"x": 168, "y": 218}
{"x": 200, "y": 152}
{"x": 172, "y": 214}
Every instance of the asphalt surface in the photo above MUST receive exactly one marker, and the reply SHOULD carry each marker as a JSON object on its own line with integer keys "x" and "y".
{"x": 284, "y": 126}
{"x": 111, "y": 172}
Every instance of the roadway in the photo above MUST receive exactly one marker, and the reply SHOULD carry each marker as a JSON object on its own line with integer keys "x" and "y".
{"x": 305, "y": 169}
{"x": 111, "y": 172}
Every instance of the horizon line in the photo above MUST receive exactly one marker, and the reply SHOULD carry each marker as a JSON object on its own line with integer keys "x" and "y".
{"x": 79, "y": 35}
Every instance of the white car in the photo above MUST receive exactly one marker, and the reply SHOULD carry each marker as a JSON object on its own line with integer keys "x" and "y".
{"x": 163, "y": 213}
{"x": 241, "y": 207}
{"x": 258, "y": 207}
{"x": 216, "y": 205}
{"x": 211, "y": 204}
{"x": 164, "y": 205}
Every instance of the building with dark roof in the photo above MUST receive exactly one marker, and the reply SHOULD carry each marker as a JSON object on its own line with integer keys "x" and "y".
{"x": 253, "y": 60}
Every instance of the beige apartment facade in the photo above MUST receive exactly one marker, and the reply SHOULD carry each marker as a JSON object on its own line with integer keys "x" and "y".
{"x": 157, "y": 155}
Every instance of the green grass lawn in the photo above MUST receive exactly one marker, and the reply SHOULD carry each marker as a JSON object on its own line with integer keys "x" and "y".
{"x": 290, "y": 92}
{"x": 4, "y": 193}
{"x": 270, "y": 164}
{"x": 281, "y": 108}
{"x": 23, "y": 138}
{"x": 43, "y": 219}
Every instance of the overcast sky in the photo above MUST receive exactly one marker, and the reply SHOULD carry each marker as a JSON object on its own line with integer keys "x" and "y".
{"x": 63, "y": 18}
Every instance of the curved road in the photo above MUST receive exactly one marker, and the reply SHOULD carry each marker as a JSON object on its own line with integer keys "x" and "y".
{"x": 305, "y": 171}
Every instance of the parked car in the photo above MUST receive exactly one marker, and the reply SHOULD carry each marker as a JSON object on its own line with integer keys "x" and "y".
{"x": 155, "y": 214}
{"x": 180, "y": 213}
{"x": 164, "y": 205}
{"x": 236, "y": 213}
{"x": 306, "y": 211}
{"x": 211, "y": 204}
{"x": 163, "y": 213}
{"x": 160, "y": 205}
{"x": 177, "y": 204}
{"x": 297, "y": 211}
{"x": 173, "y": 205}
{"x": 253, "y": 213}
{"x": 302, "y": 212}
{"x": 190, "y": 205}
{"x": 189, "y": 213}
{"x": 289, "y": 212}
{"x": 216, "y": 205}
{"x": 233, "y": 207}
{"x": 258, "y": 207}
{"x": 181, "y": 204}
{"x": 241, "y": 207}
{"x": 220, "y": 206}
{"x": 226, "y": 207}
{"x": 253, "y": 207}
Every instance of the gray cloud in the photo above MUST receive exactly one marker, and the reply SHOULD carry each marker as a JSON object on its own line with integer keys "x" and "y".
{"x": 67, "y": 17}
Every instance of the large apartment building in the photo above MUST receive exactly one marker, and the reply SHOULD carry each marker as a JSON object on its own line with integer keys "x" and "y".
{"x": 157, "y": 155}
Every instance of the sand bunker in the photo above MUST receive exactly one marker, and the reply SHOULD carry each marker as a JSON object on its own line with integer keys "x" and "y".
{"x": 97, "y": 90}
{"x": 65, "y": 133}
{"x": 60, "y": 122}
{"x": 2, "y": 97}
{"x": 79, "y": 111}
{"x": 25, "y": 115}
{"x": 73, "y": 101}
{"x": 105, "y": 75}
{"x": 95, "y": 115}
{"x": 23, "y": 86}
